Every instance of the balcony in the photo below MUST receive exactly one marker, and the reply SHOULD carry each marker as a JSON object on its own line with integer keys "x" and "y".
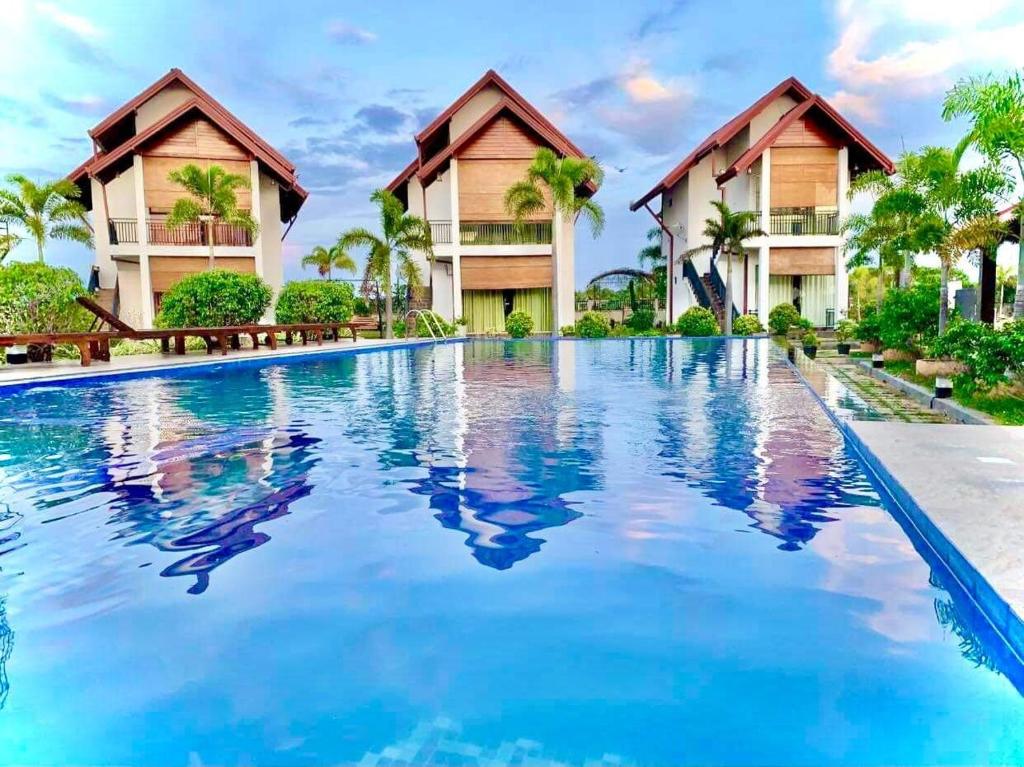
{"x": 802, "y": 221}
{"x": 441, "y": 232}
{"x": 126, "y": 231}
{"x": 492, "y": 233}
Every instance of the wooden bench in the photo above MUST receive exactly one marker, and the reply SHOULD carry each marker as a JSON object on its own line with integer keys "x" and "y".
{"x": 91, "y": 345}
{"x": 362, "y": 323}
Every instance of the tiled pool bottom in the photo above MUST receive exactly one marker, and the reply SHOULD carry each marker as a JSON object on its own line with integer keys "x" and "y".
{"x": 636, "y": 552}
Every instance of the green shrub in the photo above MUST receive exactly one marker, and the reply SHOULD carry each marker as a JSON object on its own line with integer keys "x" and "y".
{"x": 38, "y": 298}
{"x": 215, "y": 298}
{"x": 567, "y": 330}
{"x": 985, "y": 352}
{"x": 697, "y": 321}
{"x": 127, "y": 348}
{"x": 809, "y": 339}
{"x": 782, "y": 317}
{"x": 314, "y": 301}
{"x": 909, "y": 320}
{"x": 592, "y": 325}
{"x": 361, "y": 307}
{"x": 845, "y": 330}
{"x": 519, "y": 324}
{"x": 422, "y": 331}
{"x": 641, "y": 320}
{"x": 804, "y": 324}
{"x": 869, "y": 329}
{"x": 747, "y": 325}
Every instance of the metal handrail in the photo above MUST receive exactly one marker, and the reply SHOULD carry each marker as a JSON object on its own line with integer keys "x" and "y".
{"x": 428, "y": 315}
{"x": 690, "y": 272}
{"x": 719, "y": 285}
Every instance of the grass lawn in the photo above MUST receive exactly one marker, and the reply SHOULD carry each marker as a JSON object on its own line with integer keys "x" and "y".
{"x": 1004, "y": 408}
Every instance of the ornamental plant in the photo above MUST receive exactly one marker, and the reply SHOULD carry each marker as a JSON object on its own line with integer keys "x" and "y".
{"x": 36, "y": 298}
{"x": 567, "y": 330}
{"x": 215, "y": 298}
{"x": 593, "y": 325}
{"x": 782, "y": 317}
{"x": 641, "y": 320}
{"x": 909, "y": 318}
{"x": 519, "y": 324}
{"x": 845, "y": 330}
{"x": 810, "y": 340}
{"x": 314, "y": 301}
{"x": 987, "y": 354}
{"x": 747, "y": 325}
{"x": 869, "y": 329}
{"x": 697, "y": 321}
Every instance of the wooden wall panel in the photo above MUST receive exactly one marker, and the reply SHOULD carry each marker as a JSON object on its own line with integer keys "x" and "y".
{"x": 802, "y": 261}
{"x": 482, "y": 187}
{"x": 806, "y": 132}
{"x": 804, "y": 177}
{"x": 161, "y": 192}
{"x": 505, "y": 272}
{"x": 503, "y": 139}
{"x": 165, "y": 271}
{"x": 197, "y": 138}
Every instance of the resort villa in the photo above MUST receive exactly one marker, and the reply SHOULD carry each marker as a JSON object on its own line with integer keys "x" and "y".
{"x": 125, "y": 185}
{"x": 485, "y": 265}
{"x": 790, "y": 156}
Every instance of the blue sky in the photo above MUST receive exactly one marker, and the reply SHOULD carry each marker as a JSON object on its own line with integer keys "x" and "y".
{"x": 340, "y": 87}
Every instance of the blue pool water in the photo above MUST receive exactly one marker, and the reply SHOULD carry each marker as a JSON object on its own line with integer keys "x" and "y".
{"x": 621, "y": 552}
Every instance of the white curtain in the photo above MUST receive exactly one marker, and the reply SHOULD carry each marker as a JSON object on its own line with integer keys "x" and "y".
{"x": 780, "y": 290}
{"x": 817, "y": 293}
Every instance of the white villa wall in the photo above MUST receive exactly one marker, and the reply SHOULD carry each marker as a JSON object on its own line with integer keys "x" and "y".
{"x": 760, "y": 124}
{"x": 472, "y": 111}
{"x": 161, "y": 104}
{"x": 441, "y": 289}
{"x": 270, "y": 232}
{"x": 565, "y": 253}
{"x": 439, "y": 198}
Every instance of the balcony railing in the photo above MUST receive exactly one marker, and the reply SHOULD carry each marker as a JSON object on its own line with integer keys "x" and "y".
{"x": 505, "y": 233}
{"x": 126, "y": 230}
{"x": 441, "y": 232}
{"x": 803, "y": 221}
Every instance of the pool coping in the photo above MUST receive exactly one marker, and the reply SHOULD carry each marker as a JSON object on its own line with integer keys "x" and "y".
{"x": 996, "y": 610}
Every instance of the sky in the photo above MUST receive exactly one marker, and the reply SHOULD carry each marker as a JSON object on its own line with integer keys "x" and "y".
{"x": 341, "y": 87}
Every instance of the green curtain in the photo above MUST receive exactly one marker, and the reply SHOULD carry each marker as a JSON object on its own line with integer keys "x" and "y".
{"x": 537, "y": 303}
{"x": 484, "y": 311}
{"x": 817, "y": 293}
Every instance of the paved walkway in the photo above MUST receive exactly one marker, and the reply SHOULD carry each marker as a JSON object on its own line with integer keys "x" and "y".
{"x": 63, "y": 370}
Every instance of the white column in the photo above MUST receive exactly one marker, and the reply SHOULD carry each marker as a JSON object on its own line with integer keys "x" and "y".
{"x": 453, "y": 189}
{"x": 557, "y": 225}
{"x": 842, "y": 279}
{"x": 142, "y": 227}
{"x": 764, "y": 253}
{"x": 254, "y": 188}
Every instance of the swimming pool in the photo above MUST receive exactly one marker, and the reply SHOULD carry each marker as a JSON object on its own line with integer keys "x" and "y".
{"x": 617, "y": 552}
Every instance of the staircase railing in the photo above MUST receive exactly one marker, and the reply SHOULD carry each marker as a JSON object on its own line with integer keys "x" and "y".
{"x": 696, "y": 284}
{"x": 429, "y": 316}
{"x": 719, "y": 285}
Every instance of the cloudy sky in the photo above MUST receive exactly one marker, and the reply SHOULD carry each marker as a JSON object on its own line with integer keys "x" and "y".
{"x": 340, "y": 87}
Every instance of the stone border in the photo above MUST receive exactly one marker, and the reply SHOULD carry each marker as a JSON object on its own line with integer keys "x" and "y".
{"x": 954, "y": 410}
{"x": 991, "y": 606}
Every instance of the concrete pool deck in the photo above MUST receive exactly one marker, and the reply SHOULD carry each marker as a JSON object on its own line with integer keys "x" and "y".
{"x": 72, "y": 370}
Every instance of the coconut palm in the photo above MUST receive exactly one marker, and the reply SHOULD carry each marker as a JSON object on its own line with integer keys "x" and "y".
{"x": 49, "y": 211}
{"x": 562, "y": 181}
{"x": 326, "y": 259}
{"x": 727, "y": 236}
{"x": 390, "y": 254}
{"x": 995, "y": 109}
{"x": 211, "y": 200}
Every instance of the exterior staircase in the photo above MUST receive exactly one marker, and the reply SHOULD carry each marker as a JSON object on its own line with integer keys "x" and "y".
{"x": 717, "y": 305}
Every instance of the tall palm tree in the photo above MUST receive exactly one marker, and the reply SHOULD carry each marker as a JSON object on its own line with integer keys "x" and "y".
{"x": 326, "y": 259}
{"x": 211, "y": 200}
{"x": 651, "y": 254}
{"x": 562, "y": 180}
{"x": 978, "y": 233}
{"x": 727, "y": 236}
{"x": 49, "y": 211}
{"x": 870, "y": 235}
{"x": 391, "y": 251}
{"x": 995, "y": 109}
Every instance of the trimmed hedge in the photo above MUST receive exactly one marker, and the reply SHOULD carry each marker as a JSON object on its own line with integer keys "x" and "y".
{"x": 38, "y": 298}
{"x": 747, "y": 325}
{"x": 593, "y": 325}
{"x": 782, "y": 317}
{"x": 519, "y": 324}
{"x": 697, "y": 321}
{"x": 215, "y": 298}
{"x": 314, "y": 301}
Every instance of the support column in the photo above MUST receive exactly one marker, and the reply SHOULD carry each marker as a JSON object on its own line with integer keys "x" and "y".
{"x": 842, "y": 279}
{"x": 273, "y": 278}
{"x": 764, "y": 252}
{"x": 453, "y": 188}
{"x": 142, "y": 227}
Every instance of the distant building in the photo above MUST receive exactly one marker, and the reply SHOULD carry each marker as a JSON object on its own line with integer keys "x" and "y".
{"x": 790, "y": 157}
{"x": 485, "y": 266}
{"x": 125, "y": 184}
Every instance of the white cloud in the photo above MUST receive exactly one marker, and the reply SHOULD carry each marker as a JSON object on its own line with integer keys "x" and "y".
{"x": 77, "y": 25}
{"x": 860, "y": 106}
{"x": 344, "y": 32}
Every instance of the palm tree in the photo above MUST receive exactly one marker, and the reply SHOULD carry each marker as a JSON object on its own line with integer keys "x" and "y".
{"x": 995, "y": 109}
{"x": 326, "y": 259}
{"x": 401, "y": 235}
{"x": 45, "y": 211}
{"x": 727, "y": 235}
{"x": 869, "y": 235}
{"x": 651, "y": 254}
{"x": 563, "y": 179}
{"x": 211, "y": 199}
{"x": 8, "y": 242}
{"x": 978, "y": 233}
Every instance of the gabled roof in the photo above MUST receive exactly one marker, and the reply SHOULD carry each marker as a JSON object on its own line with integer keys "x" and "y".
{"x": 805, "y": 99}
{"x": 511, "y": 102}
{"x": 201, "y": 103}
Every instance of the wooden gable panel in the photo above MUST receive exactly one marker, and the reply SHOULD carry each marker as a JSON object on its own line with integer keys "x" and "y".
{"x": 482, "y": 187}
{"x": 505, "y": 272}
{"x": 804, "y": 177}
{"x": 161, "y": 192}
{"x": 198, "y": 138}
{"x": 807, "y": 132}
{"x": 502, "y": 139}
{"x": 802, "y": 261}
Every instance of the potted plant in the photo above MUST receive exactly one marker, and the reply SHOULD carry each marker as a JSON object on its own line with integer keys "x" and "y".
{"x": 810, "y": 343}
{"x": 461, "y": 323}
{"x": 845, "y": 330}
